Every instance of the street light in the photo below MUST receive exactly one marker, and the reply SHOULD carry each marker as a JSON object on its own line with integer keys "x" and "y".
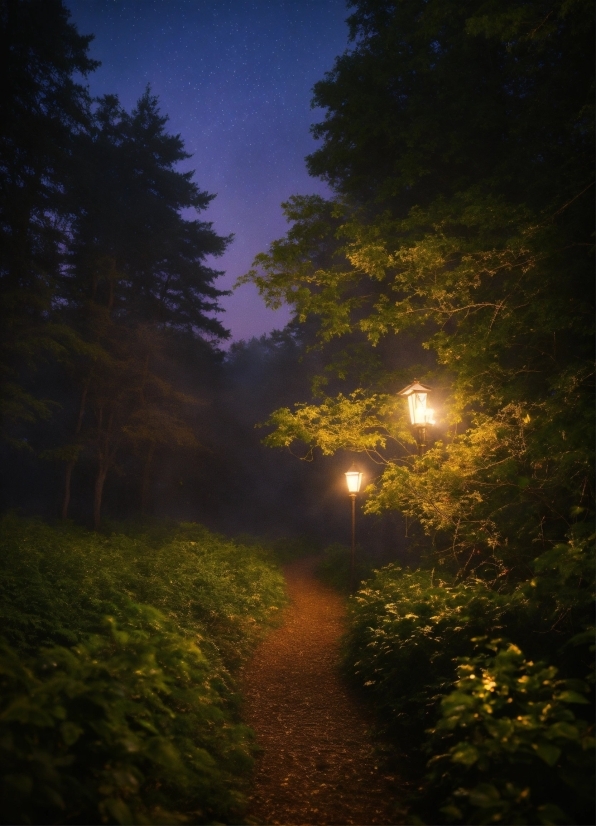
{"x": 354, "y": 480}
{"x": 420, "y": 414}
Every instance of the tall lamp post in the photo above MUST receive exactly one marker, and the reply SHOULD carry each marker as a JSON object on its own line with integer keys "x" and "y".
{"x": 420, "y": 415}
{"x": 354, "y": 480}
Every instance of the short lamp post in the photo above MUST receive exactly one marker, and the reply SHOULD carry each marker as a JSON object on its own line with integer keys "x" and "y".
{"x": 354, "y": 480}
{"x": 420, "y": 415}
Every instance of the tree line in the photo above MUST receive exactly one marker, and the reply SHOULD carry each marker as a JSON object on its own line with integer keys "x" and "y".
{"x": 104, "y": 274}
{"x": 116, "y": 396}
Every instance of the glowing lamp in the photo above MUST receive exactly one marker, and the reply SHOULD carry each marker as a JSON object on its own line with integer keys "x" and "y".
{"x": 354, "y": 480}
{"x": 416, "y": 394}
{"x": 420, "y": 415}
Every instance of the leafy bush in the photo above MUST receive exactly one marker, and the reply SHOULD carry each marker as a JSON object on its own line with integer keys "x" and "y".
{"x": 507, "y": 732}
{"x": 510, "y": 747}
{"x": 57, "y": 584}
{"x": 406, "y": 629}
{"x": 117, "y": 700}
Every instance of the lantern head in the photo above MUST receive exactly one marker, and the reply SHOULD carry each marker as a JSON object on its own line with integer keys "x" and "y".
{"x": 420, "y": 414}
{"x": 354, "y": 480}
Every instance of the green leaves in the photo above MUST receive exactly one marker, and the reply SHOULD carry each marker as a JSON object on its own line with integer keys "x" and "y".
{"x": 89, "y": 708}
{"x": 359, "y": 422}
{"x": 428, "y": 235}
{"x": 509, "y": 736}
{"x": 406, "y": 630}
{"x": 136, "y": 721}
{"x": 508, "y": 716}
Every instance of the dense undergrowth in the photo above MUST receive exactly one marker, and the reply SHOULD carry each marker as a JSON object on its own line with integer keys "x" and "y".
{"x": 117, "y": 696}
{"x": 334, "y": 567}
{"x": 487, "y": 691}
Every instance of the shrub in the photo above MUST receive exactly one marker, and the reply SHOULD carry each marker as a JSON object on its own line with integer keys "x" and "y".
{"x": 508, "y": 733}
{"x": 405, "y": 632}
{"x": 118, "y": 704}
{"x": 57, "y": 583}
{"x": 510, "y": 747}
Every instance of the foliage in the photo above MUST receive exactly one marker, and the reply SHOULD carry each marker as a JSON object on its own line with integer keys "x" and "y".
{"x": 434, "y": 97}
{"x": 128, "y": 727}
{"x": 518, "y": 397}
{"x": 359, "y": 422}
{"x": 132, "y": 249}
{"x": 334, "y": 567}
{"x": 406, "y": 628}
{"x": 103, "y": 263}
{"x": 503, "y": 743}
{"x": 42, "y": 108}
{"x": 443, "y": 226}
{"x": 118, "y": 700}
{"x": 509, "y": 747}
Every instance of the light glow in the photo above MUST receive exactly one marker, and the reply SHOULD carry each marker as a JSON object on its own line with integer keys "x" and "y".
{"x": 353, "y": 479}
{"x": 416, "y": 395}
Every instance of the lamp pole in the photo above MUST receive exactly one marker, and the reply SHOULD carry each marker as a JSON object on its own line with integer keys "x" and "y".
{"x": 420, "y": 438}
{"x": 354, "y": 480}
{"x": 353, "y": 554}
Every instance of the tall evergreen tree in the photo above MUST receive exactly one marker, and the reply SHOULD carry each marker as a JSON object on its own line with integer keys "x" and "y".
{"x": 136, "y": 273}
{"x": 42, "y": 108}
{"x": 129, "y": 197}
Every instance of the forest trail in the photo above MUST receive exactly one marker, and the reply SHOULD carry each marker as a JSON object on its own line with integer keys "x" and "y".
{"x": 318, "y": 764}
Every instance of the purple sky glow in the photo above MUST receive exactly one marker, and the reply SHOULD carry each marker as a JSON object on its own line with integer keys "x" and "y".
{"x": 235, "y": 78}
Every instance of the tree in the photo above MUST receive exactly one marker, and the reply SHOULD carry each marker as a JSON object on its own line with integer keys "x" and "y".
{"x": 128, "y": 198}
{"x": 438, "y": 97}
{"x": 457, "y": 140}
{"x": 42, "y": 108}
{"x": 136, "y": 274}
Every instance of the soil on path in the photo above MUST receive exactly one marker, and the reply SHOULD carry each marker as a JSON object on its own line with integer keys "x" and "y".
{"x": 318, "y": 764}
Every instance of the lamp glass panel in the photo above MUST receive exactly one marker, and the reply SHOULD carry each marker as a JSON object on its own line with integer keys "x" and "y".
{"x": 354, "y": 480}
{"x": 417, "y": 403}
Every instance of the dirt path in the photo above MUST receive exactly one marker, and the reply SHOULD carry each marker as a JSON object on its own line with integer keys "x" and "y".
{"x": 318, "y": 765}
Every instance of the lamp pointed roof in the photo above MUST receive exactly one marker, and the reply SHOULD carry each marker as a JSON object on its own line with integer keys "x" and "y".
{"x": 415, "y": 387}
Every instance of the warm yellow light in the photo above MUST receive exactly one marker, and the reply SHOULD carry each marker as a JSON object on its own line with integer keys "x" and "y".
{"x": 416, "y": 394}
{"x": 353, "y": 479}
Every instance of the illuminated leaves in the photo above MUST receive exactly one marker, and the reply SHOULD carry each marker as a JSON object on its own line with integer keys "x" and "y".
{"x": 358, "y": 422}
{"x": 509, "y": 717}
{"x": 510, "y": 739}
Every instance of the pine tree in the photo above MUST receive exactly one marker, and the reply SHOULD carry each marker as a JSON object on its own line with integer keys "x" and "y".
{"x": 42, "y": 109}
{"x": 136, "y": 275}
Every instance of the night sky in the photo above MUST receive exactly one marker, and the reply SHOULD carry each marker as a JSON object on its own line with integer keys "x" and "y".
{"x": 235, "y": 78}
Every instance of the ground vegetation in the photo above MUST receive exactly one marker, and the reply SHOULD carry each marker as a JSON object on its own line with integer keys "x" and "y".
{"x": 117, "y": 662}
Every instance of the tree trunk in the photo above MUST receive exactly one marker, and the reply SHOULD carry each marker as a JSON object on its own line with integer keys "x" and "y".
{"x": 71, "y": 465}
{"x": 106, "y": 454}
{"x": 67, "y": 478}
{"x": 146, "y": 481}
{"x": 97, "y": 496}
